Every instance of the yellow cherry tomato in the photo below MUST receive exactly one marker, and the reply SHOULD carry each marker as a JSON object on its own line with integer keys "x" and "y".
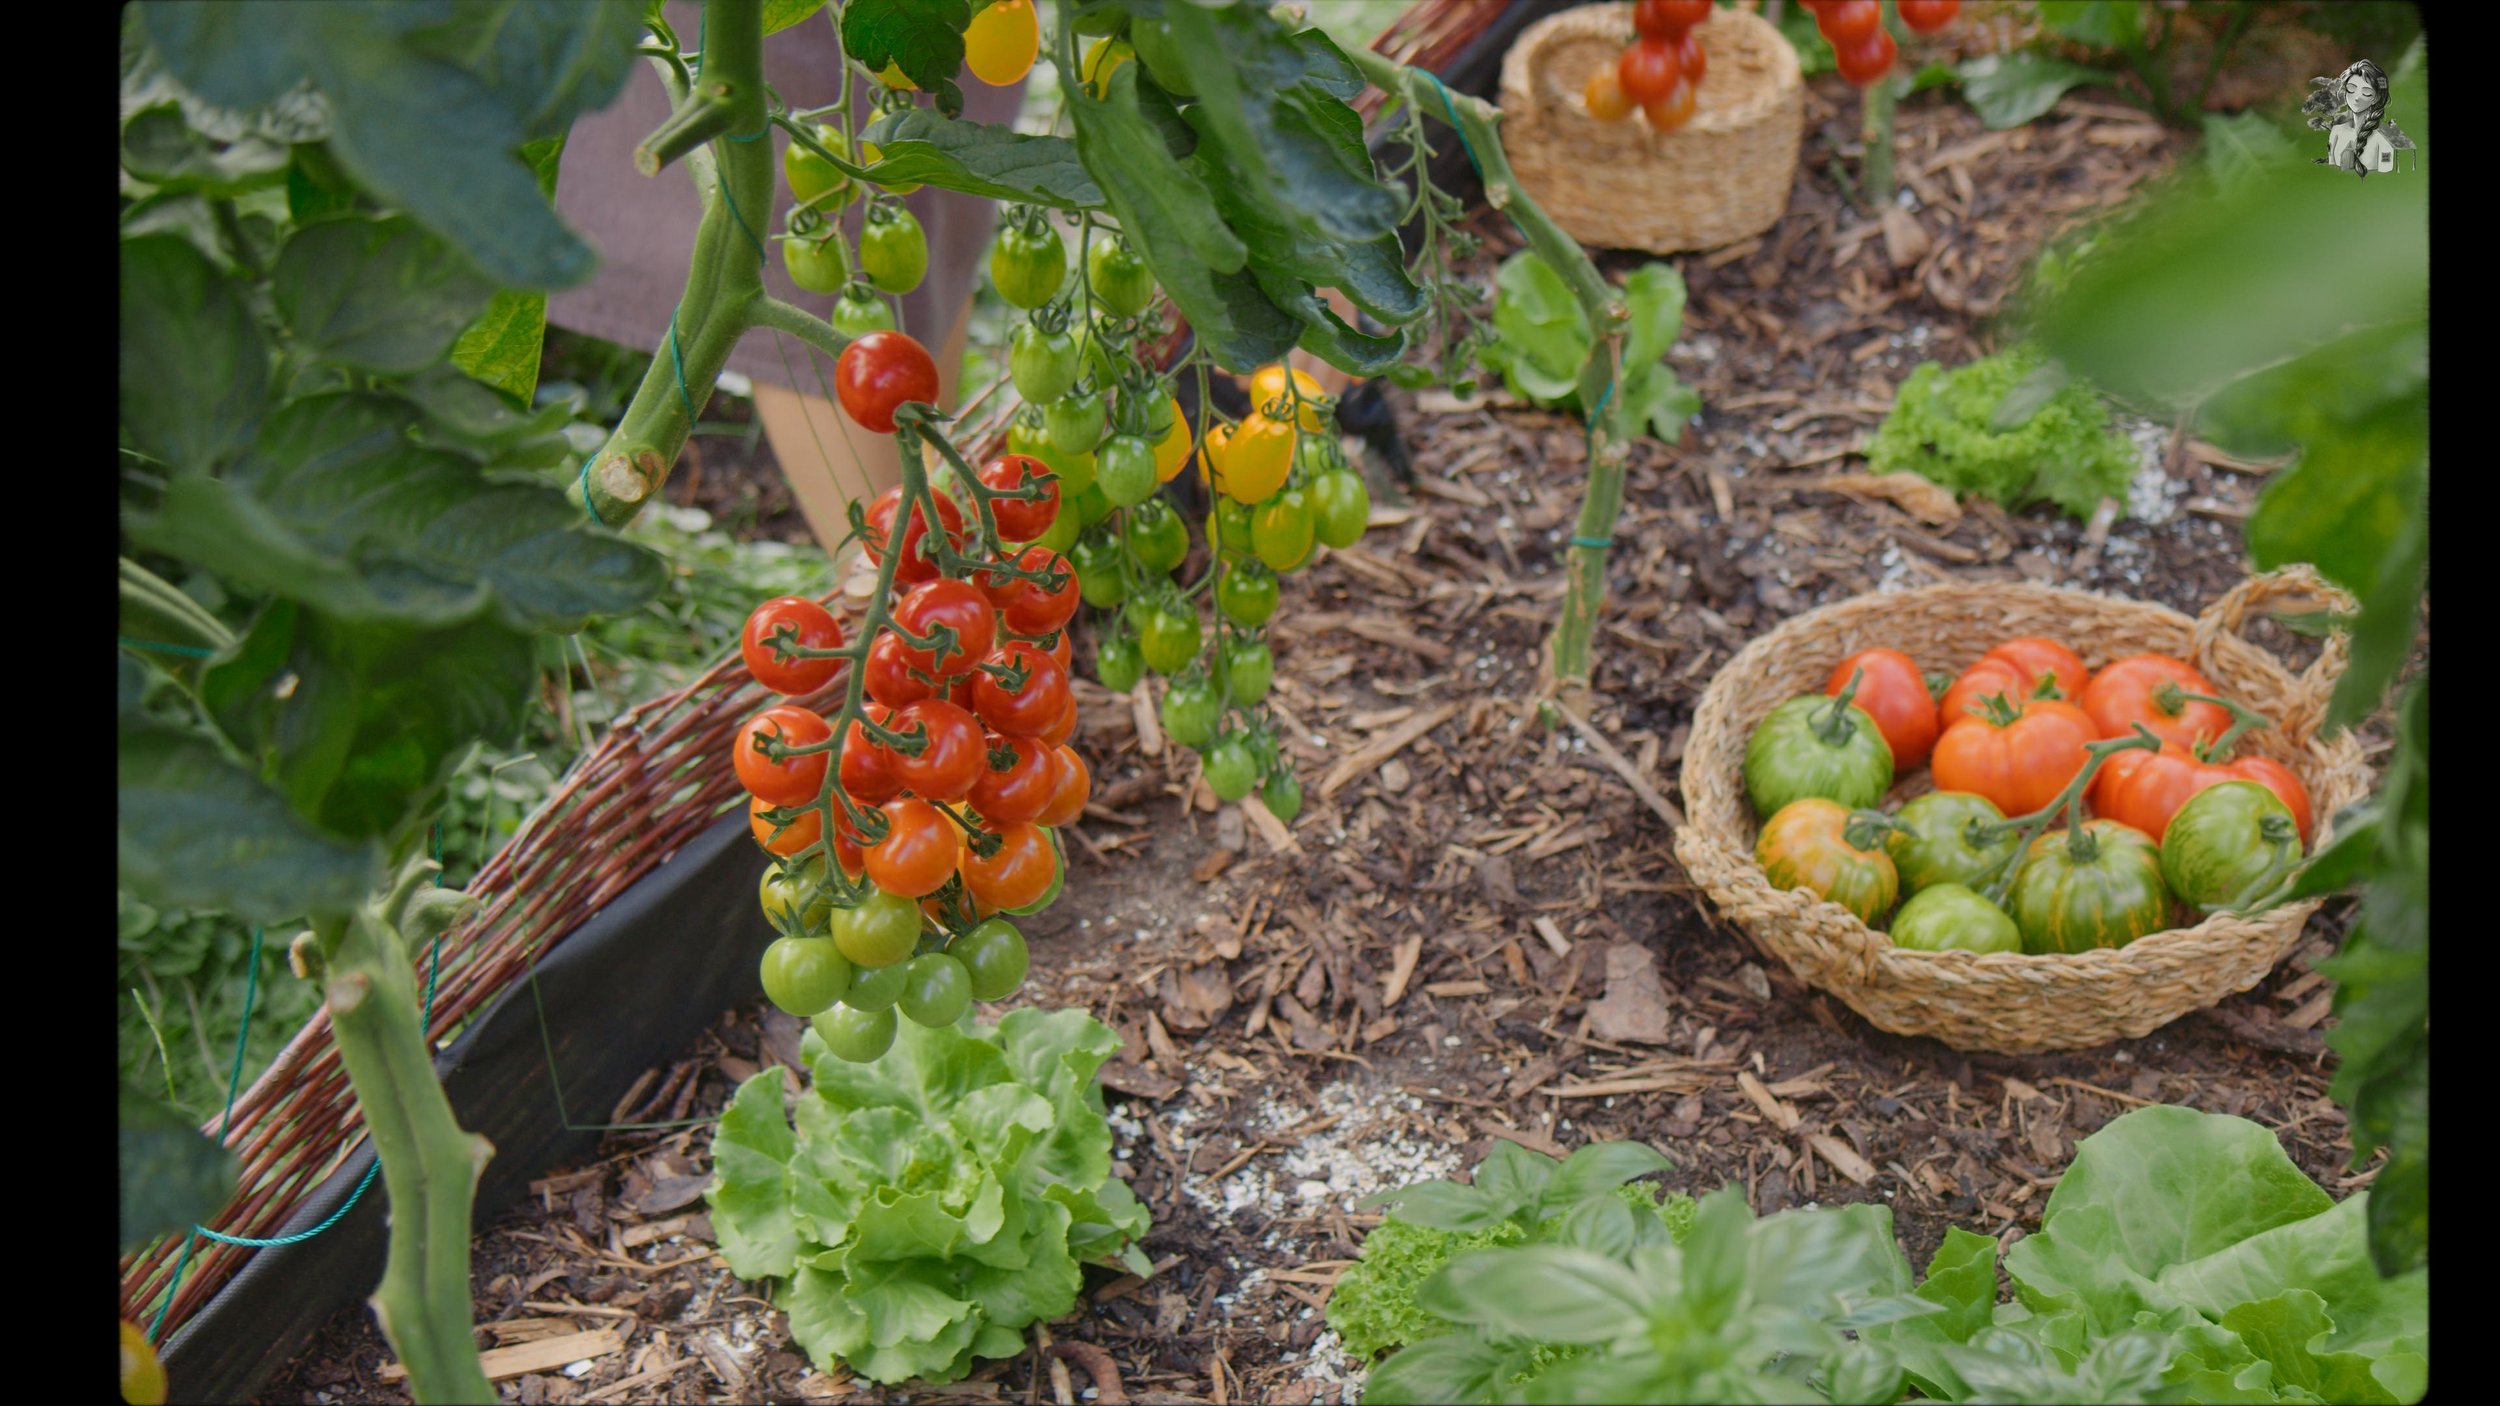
{"x": 1106, "y": 55}
{"x": 143, "y": 1376}
{"x": 1172, "y": 450}
{"x": 1256, "y": 460}
{"x": 1002, "y": 41}
{"x": 1211, "y": 454}
{"x": 1268, "y": 386}
{"x": 868, "y": 156}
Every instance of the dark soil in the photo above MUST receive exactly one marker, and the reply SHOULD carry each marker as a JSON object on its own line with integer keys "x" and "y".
{"x": 1413, "y": 979}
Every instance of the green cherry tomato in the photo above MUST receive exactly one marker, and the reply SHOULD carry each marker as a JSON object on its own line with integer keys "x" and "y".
{"x": 881, "y": 931}
{"x": 1096, "y": 560}
{"x": 1075, "y": 422}
{"x": 1120, "y": 279}
{"x": 1118, "y": 664}
{"x": 1029, "y": 262}
{"x": 892, "y": 250}
{"x": 1061, "y": 534}
{"x": 1042, "y": 364}
{"x": 859, "y": 311}
{"x": 936, "y": 990}
{"x": 817, "y": 265}
{"x": 1806, "y": 845}
{"x": 1243, "y": 670}
{"x": 1812, "y": 745}
{"x": 1156, "y": 535}
{"x": 1231, "y": 770}
{"x": 857, "y": 1035}
{"x": 2229, "y": 847}
{"x": 797, "y": 900}
{"x": 811, "y": 176}
{"x": 1937, "y": 845}
{"x": 1161, "y": 54}
{"x": 804, "y": 975}
{"x": 1341, "y": 507}
{"x": 1232, "y": 528}
{"x": 1947, "y": 917}
{"x": 875, "y": 990}
{"x": 995, "y": 957}
{"x": 1126, "y": 470}
{"x": 1159, "y": 412}
{"x": 1191, "y": 708}
{"x": 1089, "y": 506}
{"x": 2104, "y": 890}
{"x": 1169, "y": 639}
{"x": 1280, "y": 530}
{"x": 1283, "y": 794}
{"x": 1247, "y": 593}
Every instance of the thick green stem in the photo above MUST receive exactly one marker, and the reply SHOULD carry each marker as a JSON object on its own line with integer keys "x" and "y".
{"x": 155, "y": 612}
{"x": 1609, "y": 438}
{"x": 1876, "y": 129}
{"x": 429, "y": 1165}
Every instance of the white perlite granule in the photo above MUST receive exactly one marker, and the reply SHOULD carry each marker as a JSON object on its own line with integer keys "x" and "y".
{"x": 2153, "y": 494}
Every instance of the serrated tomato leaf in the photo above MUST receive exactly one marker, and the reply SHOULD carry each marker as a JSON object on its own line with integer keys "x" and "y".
{"x": 194, "y": 362}
{"x": 196, "y": 830}
{"x": 922, "y": 38}
{"x": 984, "y": 159}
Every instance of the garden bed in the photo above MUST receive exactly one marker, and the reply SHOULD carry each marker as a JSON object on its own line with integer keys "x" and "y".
{"x": 1482, "y": 932}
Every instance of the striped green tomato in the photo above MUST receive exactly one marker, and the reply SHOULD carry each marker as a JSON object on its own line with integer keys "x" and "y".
{"x": 1948, "y": 917}
{"x": 2230, "y": 846}
{"x": 2103, "y": 889}
{"x": 1806, "y": 845}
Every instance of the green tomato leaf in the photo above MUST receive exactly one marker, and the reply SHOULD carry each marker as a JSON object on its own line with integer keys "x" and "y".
{"x": 160, "y": 148}
{"x": 194, "y": 363}
{"x": 781, "y": 14}
{"x": 1655, "y": 293}
{"x": 505, "y": 345}
{"x": 374, "y": 295}
{"x": 994, "y": 161}
{"x": 173, "y": 1176}
{"x": 2242, "y": 148}
{"x": 923, "y": 38}
{"x": 2008, "y": 90}
{"x": 196, "y": 830}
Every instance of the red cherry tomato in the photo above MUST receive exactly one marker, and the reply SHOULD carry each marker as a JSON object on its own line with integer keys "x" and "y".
{"x": 889, "y": 678}
{"x": 1648, "y": 71}
{"x": 1021, "y": 519}
{"x": 917, "y": 855}
{"x": 1674, "y": 112}
{"x": 1070, "y": 786}
{"x": 809, "y": 625}
{"x": 1867, "y": 60}
{"x": 1028, "y": 711}
{"x": 916, "y": 564}
{"x": 1668, "y": 19}
{"x": 1065, "y": 727}
{"x": 1693, "y": 58}
{"x": 953, "y": 758}
{"x": 1928, "y": 16}
{"x": 1027, "y": 607}
{"x": 867, "y": 764}
{"x": 798, "y": 835}
{"x": 1014, "y": 874}
{"x": 792, "y": 780}
{"x": 1849, "y": 22}
{"x": 957, "y": 604}
{"x": 880, "y": 372}
{"x": 1021, "y": 791}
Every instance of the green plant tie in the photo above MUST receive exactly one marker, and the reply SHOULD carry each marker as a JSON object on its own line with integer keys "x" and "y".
{"x": 225, "y": 1124}
{"x": 1599, "y": 542}
{"x": 585, "y": 487}
{"x": 1452, "y": 108}
{"x": 193, "y": 650}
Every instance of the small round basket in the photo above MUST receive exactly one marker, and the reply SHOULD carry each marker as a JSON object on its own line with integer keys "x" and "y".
{"x": 1721, "y": 177}
{"x": 2009, "y": 1002}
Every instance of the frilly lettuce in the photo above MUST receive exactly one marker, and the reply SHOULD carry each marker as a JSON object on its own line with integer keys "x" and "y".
{"x": 930, "y": 1205}
{"x": 2007, "y": 427}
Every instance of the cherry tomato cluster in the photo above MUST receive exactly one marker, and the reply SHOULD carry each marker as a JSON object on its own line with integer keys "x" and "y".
{"x": 1861, "y": 47}
{"x": 2022, "y": 737}
{"x": 1659, "y": 72}
{"x": 938, "y": 791}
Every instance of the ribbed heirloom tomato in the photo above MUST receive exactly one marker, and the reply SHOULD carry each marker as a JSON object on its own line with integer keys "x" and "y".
{"x": 793, "y": 779}
{"x": 1940, "y": 838}
{"x": 2015, "y": 669}
{"x": 2146, "y": 789}
{"x": 2100, "y": 889}
{"x": 1893, "y": 692}
{"x": 2152, "y": 689}
{"x": 1807, "y": 845}
{"x": 2018, "y": 755}
{"x": 2231, "y": 846}
{"x": 879, "y": 373}
{"x": 952, "y": 759}
{"x": 795, "y": 620}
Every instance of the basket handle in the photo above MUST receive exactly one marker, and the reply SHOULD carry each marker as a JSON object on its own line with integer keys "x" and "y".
{"x": 2217, "y": 633}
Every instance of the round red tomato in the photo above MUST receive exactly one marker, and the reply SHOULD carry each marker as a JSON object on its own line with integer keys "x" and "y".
{"x": 2014, "y": 669}
{"x": 1674, "y": 112}
{"x": 1648, "y": 71}
{"x": 918, "y": 853}
{"x": 878, "y": 373}
{"x": 1021, "y": 790}
{"x": 867, "y": 764}
{"x": 1064, "y": 726}
{"x": 953, "y": 758}
{"x": 1849, "y": 21}
{"x": 1070, "y": 786}
{"x": 1693, "y": 59}
{"x": 889, "y": 678}
{"x": 792, "y": 780}
{"x": 802, "y": 832}
{"x": 1027, "y": 711}
{"x": 1866, "y": 60}
{"x": 2150, "y": 689}
{"x": 1668, "y": 19}
{"x": 1014, "y": 874}
{"x": 916, "y": 564}
{"x": 1928, "y": 16}
{"x": 2019, "y": 758}
{"x": 795, "y": 620}
{"x": 956, "y": 604}
{"x": 2145, "y": 789}
{"x": 1029, "y": 607}
{"x": 1021, "y": 519}
{"x": 1894, "y": 693}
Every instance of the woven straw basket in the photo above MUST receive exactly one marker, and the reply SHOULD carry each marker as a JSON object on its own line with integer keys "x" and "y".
{"x": 2009, "y": 1002}
{"x": 1721, "y": 177}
